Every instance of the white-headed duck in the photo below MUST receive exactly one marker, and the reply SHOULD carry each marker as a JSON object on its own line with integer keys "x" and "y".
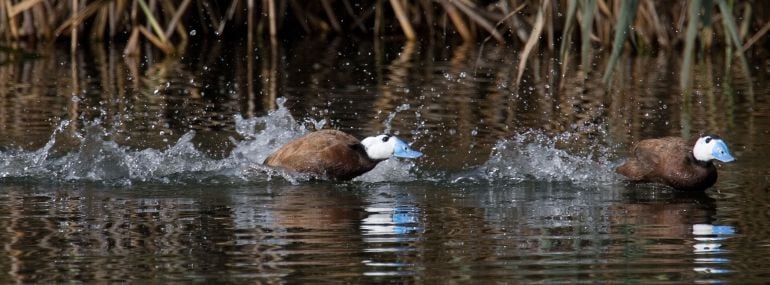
{"x": 335, "y": 155}
{"x": 681, "y": 164}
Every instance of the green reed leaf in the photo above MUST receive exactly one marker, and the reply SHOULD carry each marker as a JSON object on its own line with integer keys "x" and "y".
{"x": 731, "y": 28}
{"x": 689, "y": 44}
{"x": 625, "y": 19}
{"x": 585, "y": 33}
{"x": 566, "y": 36}
{"x": 153, "y": 22}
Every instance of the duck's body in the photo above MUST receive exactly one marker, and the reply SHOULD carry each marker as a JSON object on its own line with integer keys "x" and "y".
{"x": 333, "y": 155}
{"x": 681, "y": 164}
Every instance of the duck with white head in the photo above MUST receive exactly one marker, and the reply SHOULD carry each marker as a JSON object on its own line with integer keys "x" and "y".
{"x": 335, "y": 155}
{"x": 681, "y": 164}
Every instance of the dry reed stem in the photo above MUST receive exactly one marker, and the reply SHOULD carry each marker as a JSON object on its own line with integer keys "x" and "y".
{"x": 403, "y": 20}
{"x": 74, "y": 31}
{"x": 357, "y": 21}
{"x": 155, "y": 40}
{"x": 533, "y": 39}
{"x": 21, "y": 7}
{"x": 470, "y": 11}
{"x": 11, "y": 20}
{"x": 332, "y": 17}
{"x": 272, "y": 18}
{"x": 175, "y": 19}
{"x": 457, "y": 21}
{"x": 77, "y": 16}
{"x": 758, "y": 35}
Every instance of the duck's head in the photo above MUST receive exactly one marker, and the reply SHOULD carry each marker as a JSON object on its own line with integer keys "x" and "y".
{"x": 384, "y": 146}
{"x": 709, "y": 147}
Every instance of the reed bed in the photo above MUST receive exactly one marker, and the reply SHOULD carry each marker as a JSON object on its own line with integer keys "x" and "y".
{"x": 587, "y": 26}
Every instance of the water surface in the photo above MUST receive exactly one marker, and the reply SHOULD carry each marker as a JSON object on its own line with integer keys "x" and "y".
{"x": 117, "y": 169}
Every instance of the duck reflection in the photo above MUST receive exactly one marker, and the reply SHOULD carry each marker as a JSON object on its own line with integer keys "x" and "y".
{"x": 390, "y": 216}
{"x": 341, "y": 225}
{"x": 658, "y": 216}
{"x": 318, "y": 213}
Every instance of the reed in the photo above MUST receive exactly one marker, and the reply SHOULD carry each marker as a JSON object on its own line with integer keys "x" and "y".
{"x": 649, "y": 25}
{"x": 625, "y": 18}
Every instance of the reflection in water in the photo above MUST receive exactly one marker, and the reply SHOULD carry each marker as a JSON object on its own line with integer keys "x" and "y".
{"x": 709, "y": 239}
{"x": 323, "y": 231}
{"x": 389, "y": 230}
{"x": 516, "y": 185}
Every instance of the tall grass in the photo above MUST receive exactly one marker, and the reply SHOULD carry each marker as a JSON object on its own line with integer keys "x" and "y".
{"x": 616, "y": 25}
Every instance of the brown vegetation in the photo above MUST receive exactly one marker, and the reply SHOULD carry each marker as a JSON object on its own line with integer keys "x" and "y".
{"x": 647, "y": 25}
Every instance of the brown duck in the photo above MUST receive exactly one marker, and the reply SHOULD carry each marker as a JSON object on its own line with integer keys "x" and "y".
{"x": 681, "y": 164}
{"x": 335, "y": 155}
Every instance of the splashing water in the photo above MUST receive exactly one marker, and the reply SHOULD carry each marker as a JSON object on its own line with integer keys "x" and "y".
{"x": 391, "y": 170}
{"x": 100, "y": 159}
{"x": 265, "y": 134}
{"x": 20, "y": 163}
{"x": 527, "y": 156}
{"x": 533, "y": 155}
{"x": 389, "y": 121}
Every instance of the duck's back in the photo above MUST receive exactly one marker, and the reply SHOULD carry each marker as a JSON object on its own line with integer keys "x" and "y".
{"x": 328, "y": 154}
{"x": 668, "y": 160}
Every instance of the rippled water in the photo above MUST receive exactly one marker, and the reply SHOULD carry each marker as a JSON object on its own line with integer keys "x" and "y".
{"x": 115, "y": 170}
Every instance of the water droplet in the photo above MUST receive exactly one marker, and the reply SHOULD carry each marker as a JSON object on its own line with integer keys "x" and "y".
{"x": 193, "y": 32}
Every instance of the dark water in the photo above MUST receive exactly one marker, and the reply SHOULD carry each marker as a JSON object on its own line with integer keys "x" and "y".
{"x": 120, "y": 169}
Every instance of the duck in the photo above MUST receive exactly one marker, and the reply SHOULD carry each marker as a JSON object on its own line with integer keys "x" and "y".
{"x": 336, "y": 155}
{"x": 681, "y": 164}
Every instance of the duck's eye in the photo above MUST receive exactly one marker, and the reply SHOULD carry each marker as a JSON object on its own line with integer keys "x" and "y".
{"x": 385, "y": 138}
{"x": 708, "y": 139}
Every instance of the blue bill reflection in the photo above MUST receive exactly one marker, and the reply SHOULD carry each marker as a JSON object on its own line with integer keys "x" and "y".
{"x": 708, "y": 248}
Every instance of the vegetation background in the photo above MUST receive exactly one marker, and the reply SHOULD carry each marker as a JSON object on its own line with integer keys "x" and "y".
{"x": 693, "y": 27}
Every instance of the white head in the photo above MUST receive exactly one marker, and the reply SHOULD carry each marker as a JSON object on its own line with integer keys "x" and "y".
{"x": 710, "y": 147}
{"x": 384, "y": 146}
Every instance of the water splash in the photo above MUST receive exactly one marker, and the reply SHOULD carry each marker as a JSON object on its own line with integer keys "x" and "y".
{"x": 19, "y": 163}
{"x": 389, "y": 121}
{"x": 527, "y": 156}
{"x": 100, "y": 159}
{"x": 535, "y": 156}
{"x": 391, "y": 170}
{"x": 263, "y": 135}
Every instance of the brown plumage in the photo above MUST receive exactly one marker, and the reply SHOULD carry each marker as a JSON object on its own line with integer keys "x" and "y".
{"x": 669, "y": 161}
{"x": 326, "y": 154}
